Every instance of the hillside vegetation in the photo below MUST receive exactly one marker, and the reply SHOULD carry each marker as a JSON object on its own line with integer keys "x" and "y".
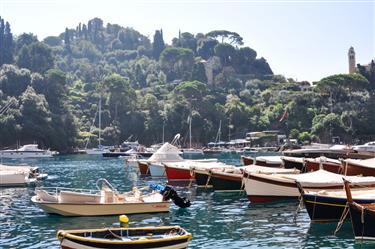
{"x": 50, "y": 90}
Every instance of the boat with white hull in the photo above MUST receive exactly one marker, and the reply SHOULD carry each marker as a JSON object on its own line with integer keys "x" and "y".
{"x": 272, "y": 187}
{"x": 26, "y": 151}
{"x": 104, "y": 201}
{"x": 11, "y": 176}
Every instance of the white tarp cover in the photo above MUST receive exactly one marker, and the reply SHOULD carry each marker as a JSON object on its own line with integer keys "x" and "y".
{"x": 270, "y": 159}
{"x": 369, "y": 163}
{"x": 323, "y": 177}
{"x": 166, "y": 153}
{"x": 267, "y": 170}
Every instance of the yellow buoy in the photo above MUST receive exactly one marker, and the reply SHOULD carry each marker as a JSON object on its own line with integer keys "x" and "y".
{"x": 124, "y": 220}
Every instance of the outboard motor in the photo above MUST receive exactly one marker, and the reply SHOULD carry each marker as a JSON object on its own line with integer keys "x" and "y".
{"x": 169, "y": 193}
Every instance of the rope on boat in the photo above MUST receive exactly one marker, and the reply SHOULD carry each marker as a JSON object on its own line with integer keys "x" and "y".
{"x": 114, "y": 234}
{"x": 342, "y": 218}
{"x": 299, "y": 208}
{"x": 208, "y": 180}
{"x": 192, "y": 175}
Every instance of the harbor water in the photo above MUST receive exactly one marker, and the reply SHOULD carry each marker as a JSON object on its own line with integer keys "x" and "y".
{"x": 216, "y": 220}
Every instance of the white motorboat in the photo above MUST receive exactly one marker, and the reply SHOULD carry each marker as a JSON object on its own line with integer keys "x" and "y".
{"x": 26, "y": 151}
{"x": 166, "y": 153}
{"x": 19, "y": 175}
{"x": 106, "y": 200}
{"x": 367, "y": 147}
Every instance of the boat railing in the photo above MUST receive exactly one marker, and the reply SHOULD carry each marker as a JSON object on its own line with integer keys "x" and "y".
{"x": 57, "y": 190}
{"x": 106, "y": 183}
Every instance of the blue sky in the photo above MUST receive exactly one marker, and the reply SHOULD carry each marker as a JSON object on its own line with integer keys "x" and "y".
{"x": 304, "y": 40}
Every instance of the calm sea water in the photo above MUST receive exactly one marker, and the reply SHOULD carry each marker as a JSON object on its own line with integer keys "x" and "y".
{"x": 215, "y": 220}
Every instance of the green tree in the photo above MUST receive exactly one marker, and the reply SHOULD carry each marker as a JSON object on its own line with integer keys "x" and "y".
{"x": 223, "y": 35}
{"x": 37, "y": 57}
{"x": 158, "y": 44}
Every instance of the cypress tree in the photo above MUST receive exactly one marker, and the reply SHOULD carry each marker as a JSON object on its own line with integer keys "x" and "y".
{"x": 158, "y": 45}
{"x": 84, "y": 31}
{"x": 8, "y": 44}
{"x": 2, "y": 27}
{"x": 67, "y": 40}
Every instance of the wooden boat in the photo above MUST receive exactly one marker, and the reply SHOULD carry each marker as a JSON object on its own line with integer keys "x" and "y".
{"x": 359, "y": 167}
{"x": 203, "y": 175}
{"x": 294, "y": 163}
{"x": 184, "y": 171}
{"x": 329, "y": 204}
{"x": 272, "y": 187}
{"x": 362, "y": 217}
{"x": 143, "y": 168}
{"x": 269, "y": 161}
{"x": 232, "y": 179}
{"x": 335, "y": 152}
{"x": 104, "y": 201}
{"x": 331, "y": 165}
{"x": 247, "y": 160}
{"x": 168, "y": 237}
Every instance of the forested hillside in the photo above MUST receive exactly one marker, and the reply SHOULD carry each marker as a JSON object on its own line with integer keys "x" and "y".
{"x": 50, "y": 89}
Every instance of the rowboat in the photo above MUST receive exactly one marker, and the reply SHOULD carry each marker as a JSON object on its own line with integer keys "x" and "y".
{"x": 232, "y": 179}
{"x": 294, "y": 162}
{"x": 329, "y": 204}
{"x": 247, "y": 160}
{"x": 184, "y": 171}
{"x": 331, "y": 165}
{"x": 106, "y": 200}
{"x": 272, "y": 187}
{"x": 364, "y": 167}
{"x": 362, "y": 217}
{"x": 268, "y": 161}
{"x": 165, "y": 237}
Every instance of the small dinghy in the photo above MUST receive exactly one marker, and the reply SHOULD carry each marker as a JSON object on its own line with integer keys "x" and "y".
{"x": 171, "y": 237}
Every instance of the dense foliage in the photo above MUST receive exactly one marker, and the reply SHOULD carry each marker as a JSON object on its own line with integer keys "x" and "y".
{"x": 50, "y": 90}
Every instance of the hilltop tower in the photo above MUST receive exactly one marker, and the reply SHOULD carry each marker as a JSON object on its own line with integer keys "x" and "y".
{"x": 351, "y": 57}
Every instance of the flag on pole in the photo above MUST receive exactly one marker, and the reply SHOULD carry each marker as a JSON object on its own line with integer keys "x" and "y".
{"x": 284, "y": 116}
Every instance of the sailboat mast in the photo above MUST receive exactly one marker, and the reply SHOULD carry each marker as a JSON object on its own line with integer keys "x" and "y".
{"x": 100, "y": 119}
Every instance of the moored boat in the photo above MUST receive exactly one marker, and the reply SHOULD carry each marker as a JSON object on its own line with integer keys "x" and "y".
{"x": 184, "y": 171}
{"x": 294, "y": 162}
{"x": 104, "y": 201}
{"x": 269, "y": 161}
{"x": 273, "y": 187}
{"x": 232, "y": 179}
{"x": 12, "y": 176}
{"x": 27, "y": 151}
{"x": 331, "y": 165}
{"x": 247, "y": 160}
{"x": 329, "y": 204}
{"x": 362, "y": 217}
{"x": 171, "y": 237}
{"x": 364, "y": 167}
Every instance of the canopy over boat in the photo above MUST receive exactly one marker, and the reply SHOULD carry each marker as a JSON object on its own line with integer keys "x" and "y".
{"x": 268, "y": 170}
{"x": 368, "y": 163}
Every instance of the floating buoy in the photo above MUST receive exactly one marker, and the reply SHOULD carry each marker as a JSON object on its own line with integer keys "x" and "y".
{"x": 124, "y": 220}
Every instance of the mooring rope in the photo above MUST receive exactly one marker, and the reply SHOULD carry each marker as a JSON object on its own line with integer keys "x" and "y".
{"x": 342, "y": 218}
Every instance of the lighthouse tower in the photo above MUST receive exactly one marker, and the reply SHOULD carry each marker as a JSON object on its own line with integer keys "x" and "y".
{"x": 351, "y": 57}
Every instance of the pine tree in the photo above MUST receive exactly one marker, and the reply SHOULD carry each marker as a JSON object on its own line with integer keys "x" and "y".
{"x": 8, "y": 44}
{"x": 67, "y": 40}
{"x": 84, "y": 31}
{"x": 158, "y": 45}
{"x": 2, "y": 27}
